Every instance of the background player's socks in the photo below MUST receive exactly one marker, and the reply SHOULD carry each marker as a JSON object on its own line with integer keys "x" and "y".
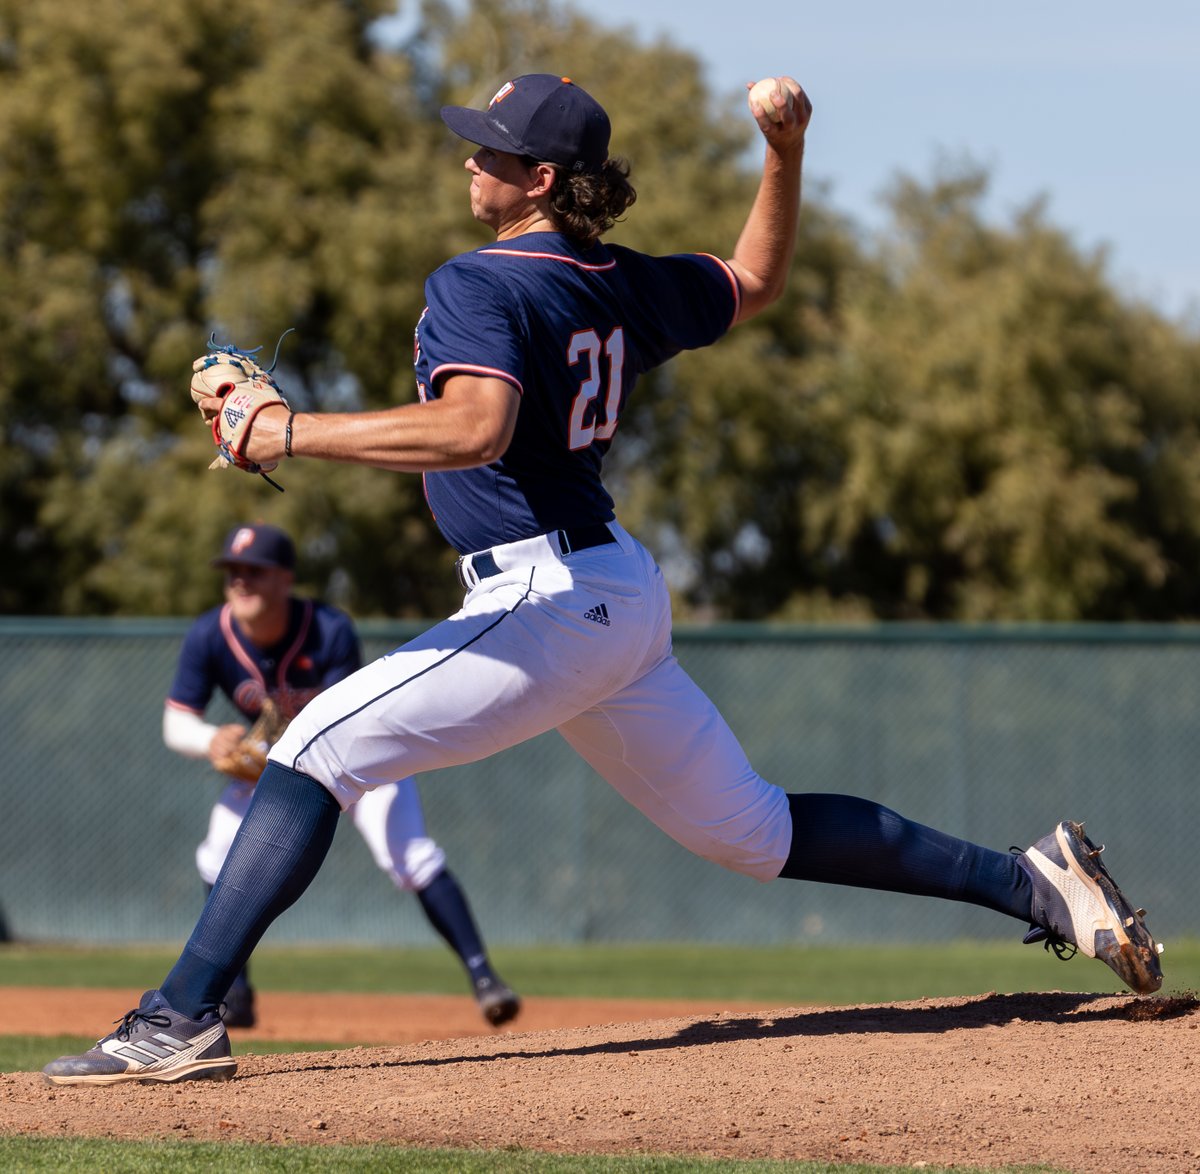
{"x": 446, "y": 907}
{"x": 843, "y": 840}
{"x": 277, "y": 851}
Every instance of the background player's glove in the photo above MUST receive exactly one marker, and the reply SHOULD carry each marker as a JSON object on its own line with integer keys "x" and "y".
{"x": 245, "y": 389}
{"x": 248, "y": 759}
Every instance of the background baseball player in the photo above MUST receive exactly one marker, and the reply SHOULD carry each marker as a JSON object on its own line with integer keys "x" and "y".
{"x": 526, "y": 354}
{"x": 265, "y": 645}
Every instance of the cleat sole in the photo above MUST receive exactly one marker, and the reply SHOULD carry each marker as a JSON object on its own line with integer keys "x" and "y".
{"x": 202, "y": 1070}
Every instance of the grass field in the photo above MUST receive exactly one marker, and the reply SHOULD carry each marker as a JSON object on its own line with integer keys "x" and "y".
{"x": 201, "y": 1158}
{"x": 786, "y": 975}
{"x": 789, "y": 975}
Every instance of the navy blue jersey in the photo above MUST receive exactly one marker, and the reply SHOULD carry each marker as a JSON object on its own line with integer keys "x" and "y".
{"x": 571, "y": 329}
{"x": 320, "y": 647}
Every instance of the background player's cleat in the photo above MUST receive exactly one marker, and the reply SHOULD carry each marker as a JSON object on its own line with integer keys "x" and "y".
{"x": 1076, "y": 903}
{"x": 238, "y": 1008}
{"x": 152, "y": 1044}
{"x": 498, "y": 1002}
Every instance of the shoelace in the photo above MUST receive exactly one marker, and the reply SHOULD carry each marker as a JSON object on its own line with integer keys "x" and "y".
{"x": 130, "y": 1019}
{"x": 1063, "y": 950}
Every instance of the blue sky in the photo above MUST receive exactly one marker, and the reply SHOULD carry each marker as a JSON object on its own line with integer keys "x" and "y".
{"x": 1094, "y": 105}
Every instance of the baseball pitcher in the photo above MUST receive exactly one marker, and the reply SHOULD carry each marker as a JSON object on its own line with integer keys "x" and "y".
{"x": 526, "y": 355}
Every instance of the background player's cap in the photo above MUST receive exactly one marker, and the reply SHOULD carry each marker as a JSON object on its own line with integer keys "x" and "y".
{"x": 257, "y": 546}
{"x": 542, "y": 115}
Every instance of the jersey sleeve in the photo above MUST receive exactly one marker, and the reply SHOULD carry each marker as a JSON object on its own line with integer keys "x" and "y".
{"x": 470, "y": 325}
{"x": 192, "y": 688}
{"x": 697, "y": 298}
{"x": 720, "y": 294}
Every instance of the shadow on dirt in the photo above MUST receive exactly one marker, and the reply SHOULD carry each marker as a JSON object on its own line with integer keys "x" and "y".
{"x": 990, "y": 1010}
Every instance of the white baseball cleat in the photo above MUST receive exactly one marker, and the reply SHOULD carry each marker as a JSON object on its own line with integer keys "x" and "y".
{"x": 153, "y": 1044}
{"x": 1076, "y": 903}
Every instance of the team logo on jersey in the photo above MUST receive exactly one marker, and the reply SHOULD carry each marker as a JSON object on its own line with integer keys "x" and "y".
{"x": 248, "y": 697}
{"x": 598, "y": 615}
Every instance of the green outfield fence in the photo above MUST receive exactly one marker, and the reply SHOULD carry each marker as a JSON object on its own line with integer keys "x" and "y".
{"x": 993, "y": 733}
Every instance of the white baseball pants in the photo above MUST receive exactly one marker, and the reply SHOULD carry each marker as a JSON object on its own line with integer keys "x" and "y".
{"x": 530, "y": 651}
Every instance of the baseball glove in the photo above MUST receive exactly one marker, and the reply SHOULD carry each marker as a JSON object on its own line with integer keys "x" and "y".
{"x": 249, "y": 758}
{"x": 245, "y": 389}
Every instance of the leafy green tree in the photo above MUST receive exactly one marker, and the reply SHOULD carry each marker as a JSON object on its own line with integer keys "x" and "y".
{"x": 168, "y": 170}
{"x": 172, "y": 169}
{"x": 963, "y": 421}
{"x": 1005, "y": 438}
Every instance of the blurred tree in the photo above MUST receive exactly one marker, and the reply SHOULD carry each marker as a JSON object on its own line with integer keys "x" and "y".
{"x": 961, "y": 421}
{"x": 168, "y": 169}
{"x": 1002, "y": 437}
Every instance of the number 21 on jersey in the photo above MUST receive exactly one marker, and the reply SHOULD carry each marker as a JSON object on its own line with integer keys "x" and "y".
{"x": 601, "y": 362}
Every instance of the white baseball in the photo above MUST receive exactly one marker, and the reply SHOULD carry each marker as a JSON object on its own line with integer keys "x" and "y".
{"x": 761, "y": 93}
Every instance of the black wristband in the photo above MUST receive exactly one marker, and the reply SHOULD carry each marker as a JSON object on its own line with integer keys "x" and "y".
{"x": 287, "y": 436}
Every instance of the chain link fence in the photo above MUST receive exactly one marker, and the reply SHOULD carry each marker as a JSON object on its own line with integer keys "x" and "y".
{"x": 994, "y": 734}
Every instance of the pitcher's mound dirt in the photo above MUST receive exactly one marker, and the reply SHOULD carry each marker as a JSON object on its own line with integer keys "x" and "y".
{"x": 1097, "y": 1084}
{"x": 339, "y": 1018}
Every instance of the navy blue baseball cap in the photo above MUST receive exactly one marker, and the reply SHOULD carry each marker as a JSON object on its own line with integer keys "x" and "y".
{"x": 542, "y": 115}
{"x": 257, "y": 545}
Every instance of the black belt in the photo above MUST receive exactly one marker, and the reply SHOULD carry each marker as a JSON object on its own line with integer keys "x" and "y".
{"x": 576, "y": 538}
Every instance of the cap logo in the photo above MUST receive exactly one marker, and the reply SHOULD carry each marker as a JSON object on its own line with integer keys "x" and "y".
{"x": 242, "y": 539}
{"x": 501, "y": 94}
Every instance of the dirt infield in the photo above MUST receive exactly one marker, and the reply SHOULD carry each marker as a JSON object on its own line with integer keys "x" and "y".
{"x": 1100, "y": 1084}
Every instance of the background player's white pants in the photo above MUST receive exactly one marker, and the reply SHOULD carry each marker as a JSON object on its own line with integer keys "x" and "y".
{"x": 389, "y": 819}
{"x": 529, "y": 652}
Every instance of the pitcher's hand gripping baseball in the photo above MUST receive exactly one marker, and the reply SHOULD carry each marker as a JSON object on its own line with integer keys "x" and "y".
{"x": 779, "y": 105}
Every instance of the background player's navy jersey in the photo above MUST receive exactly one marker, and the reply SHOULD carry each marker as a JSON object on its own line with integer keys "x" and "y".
{"x": 320, "y": 647}
{"x": 572, "y": 329}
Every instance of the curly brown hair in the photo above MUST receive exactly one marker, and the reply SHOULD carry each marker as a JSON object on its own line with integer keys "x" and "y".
{"x": 584, "y": 206}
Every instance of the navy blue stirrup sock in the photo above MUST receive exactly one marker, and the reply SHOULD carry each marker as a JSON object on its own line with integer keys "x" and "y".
{"x": 445, "y": 905}
{"x": 277, "y": 851}
{"x": 843, "y": 840}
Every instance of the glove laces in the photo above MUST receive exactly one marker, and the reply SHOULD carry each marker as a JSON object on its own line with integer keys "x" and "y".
{"x": 231, "y": 349}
